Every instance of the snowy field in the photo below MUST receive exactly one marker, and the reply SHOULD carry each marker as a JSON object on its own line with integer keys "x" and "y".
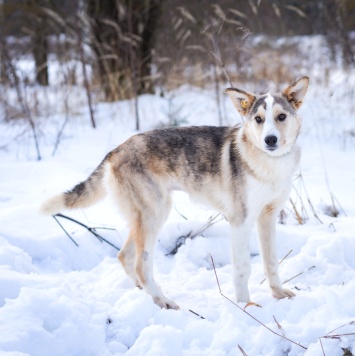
{"x": 60, "y": 299}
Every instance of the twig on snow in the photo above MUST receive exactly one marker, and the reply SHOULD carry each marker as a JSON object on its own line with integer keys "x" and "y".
{"x": 200, "y": 316}
{"x": 351, "y": 323}
{"x": 297, "y": 214}
{"x": 191, "y": 235}
{"x": 92, "y": 230}
{"x": 336, "y": 336}
{"x": 183, "y": 216}
{"x": 302, "y": 186}
{"x": 66, "y": 232}
{"x": 335, "y": 200}
{"x": 321, "y": 344}
{"x": 253, "y": 317}
{"x": 290, "y": 279}
{"x": 242, "y": 351}
{"x": 277, "y": 323}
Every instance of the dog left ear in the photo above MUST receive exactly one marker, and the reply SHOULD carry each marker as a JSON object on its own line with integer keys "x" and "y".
{"x": 241, "y": 100}
{"x": 296, "y": 92}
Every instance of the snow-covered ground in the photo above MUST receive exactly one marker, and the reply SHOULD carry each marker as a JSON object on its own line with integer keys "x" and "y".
{"x": 60, "y": 299}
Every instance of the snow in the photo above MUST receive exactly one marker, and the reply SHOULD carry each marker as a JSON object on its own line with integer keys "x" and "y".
{"x": 78, "y": 301}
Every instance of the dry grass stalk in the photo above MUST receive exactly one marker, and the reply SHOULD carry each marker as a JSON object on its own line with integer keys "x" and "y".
{"x": 21, "y": 96}
{"x": 92, "y": 230}
{"x": 333, "y": 210}
{"x": 200, "y": 316}
{"x": 290, "y": 279}
{"x": 242, "y": 351}
{"x": 300, "y": 191}
{"x": 283, "y": 259}
{"x": 297, "y": 214}
{"x": 191, "y": 235}
{"x": 250, "y": 315}
{"x": 337, "y": 336}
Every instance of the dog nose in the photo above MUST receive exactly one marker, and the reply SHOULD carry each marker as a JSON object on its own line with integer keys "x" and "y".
{"x": 271, "y": 140}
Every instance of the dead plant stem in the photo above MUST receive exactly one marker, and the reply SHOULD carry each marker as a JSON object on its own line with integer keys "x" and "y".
{"x": 250, "y": 315}
{"x": 283, "y": 259}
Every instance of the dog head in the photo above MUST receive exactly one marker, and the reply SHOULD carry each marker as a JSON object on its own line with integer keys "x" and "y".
{"x": 272, "y": 123}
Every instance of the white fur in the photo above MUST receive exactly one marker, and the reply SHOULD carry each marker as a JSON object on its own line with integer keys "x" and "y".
{"x": 53, "y": 205}
{"x": 269, "y": 127}
{"x": 269, "y": 185}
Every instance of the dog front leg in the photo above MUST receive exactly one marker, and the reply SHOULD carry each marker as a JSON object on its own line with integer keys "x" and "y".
{"x": 267, "y": 240}
{"x": 241, "y": 260}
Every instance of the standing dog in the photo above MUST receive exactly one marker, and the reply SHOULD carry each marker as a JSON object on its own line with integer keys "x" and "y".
{"x": 244, "y": 172}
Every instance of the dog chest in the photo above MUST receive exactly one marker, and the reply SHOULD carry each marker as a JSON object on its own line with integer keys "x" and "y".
{"x": 259, "y": 194}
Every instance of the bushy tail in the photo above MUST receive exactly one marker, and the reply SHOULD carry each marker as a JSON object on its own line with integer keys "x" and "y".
{"x": 82, "y": 195}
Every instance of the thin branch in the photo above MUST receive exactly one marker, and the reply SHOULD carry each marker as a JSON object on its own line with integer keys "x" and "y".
{"x": 351, "y": 323}
{"x": 191, "y": 311}
{"x": 54, "y": 217}
{"x": 321, "y": 344}
{"x": 242, "y": 351}
{"x": 302, "y": 185}
{"x": 217, "y": 55}
{"x": 183, "y": 216}
{"x": 335, "y": 336}
{"x": 325, "y": 171}
{"x": 191, "y": 235}
{"x": 290, "y": 279}
{"x": 244, "y": 311}
{"x": 92, "y": 230}
{"x": 59, "y": 136}
{"x": 21, "y": 97}
{"x": 298, "y": 216}
{"x": 277, "y": 323}
{"x": 334, "y": 199}
{"x": 283, "y": 259}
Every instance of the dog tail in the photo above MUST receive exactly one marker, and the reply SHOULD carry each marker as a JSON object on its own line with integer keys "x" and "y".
{"x": 82, "y": 195}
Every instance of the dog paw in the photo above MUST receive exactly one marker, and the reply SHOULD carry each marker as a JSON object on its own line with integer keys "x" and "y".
{"x": 252, "y": 304}
{"x": 281, "y": 293}
{"x": 165, "y": 303}
{"x": 138, "y": 284}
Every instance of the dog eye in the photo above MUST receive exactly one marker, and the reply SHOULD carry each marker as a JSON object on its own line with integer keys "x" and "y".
{"x": 258, "y": 119}
{"x": 281, "y": 117}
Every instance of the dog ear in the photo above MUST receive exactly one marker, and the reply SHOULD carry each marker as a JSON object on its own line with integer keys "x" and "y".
{"x": 241, "y": 100}
{"x": 295, "y": 92}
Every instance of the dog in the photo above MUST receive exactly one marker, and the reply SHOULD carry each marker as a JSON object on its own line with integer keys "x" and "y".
{"x": 245, "y": 172}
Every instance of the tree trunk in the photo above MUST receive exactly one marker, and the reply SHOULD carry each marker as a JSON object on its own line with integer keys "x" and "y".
{"x": 123, "y": 34}
{"x": 40, "y": 53}
{"x": 154, "y": 12}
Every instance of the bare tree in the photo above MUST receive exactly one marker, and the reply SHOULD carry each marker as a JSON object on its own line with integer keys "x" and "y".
{"x": 123, "y": 34}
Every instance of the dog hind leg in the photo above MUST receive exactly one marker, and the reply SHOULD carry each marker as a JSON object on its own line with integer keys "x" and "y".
{"x": 127, "y": 257}
{"x": 147, "y": 226}
{"x": 146, "y": 206}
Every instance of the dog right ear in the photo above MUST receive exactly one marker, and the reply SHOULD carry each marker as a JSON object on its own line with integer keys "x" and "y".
{"x": 241, "y": 100}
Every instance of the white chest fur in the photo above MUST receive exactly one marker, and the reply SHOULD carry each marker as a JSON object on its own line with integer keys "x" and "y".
{"x": 269, "y": 180}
